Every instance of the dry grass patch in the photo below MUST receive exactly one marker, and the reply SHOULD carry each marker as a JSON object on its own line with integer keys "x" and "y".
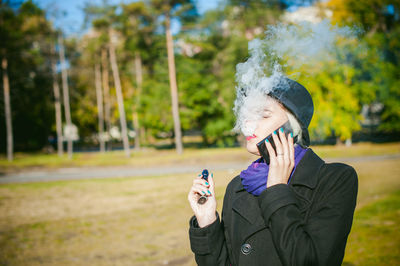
{"x": 131, "y": 221}
{"x": 140, "y": 221}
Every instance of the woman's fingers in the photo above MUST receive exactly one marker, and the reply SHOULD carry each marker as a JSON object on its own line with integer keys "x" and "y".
{"x": 285, "y": 146}
{"x": 202, "y": 186}
{"x": 278, "y": 145}
{"x": 202, "y": 190}
{"x": 211, "y": 183}
{"x": 195, "y": 192}
{"x": 198, "y": 191}
{"x": 291, "y": 149}
{"x": 201, "y": 182}
{"x": 205, "y": 211}
{"x": 271, "y": 152}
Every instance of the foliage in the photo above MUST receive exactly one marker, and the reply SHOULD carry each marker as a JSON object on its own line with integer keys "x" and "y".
{"x": 207, "y": 49}
{"x": 378, "y": 64}
{"x": 26, "y": 39}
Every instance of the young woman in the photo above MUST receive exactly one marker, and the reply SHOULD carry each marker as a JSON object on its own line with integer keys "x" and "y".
{"x": 296, "y": 210}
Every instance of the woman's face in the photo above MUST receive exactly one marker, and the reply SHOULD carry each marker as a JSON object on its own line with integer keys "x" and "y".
{"x": 272, "y": 118}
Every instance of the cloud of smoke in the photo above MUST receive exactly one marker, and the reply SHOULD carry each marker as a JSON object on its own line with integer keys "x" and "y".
{"x": 296, "y": 45}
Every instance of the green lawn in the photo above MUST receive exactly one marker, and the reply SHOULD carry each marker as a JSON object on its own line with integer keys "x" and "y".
{"x": 144, "y": 221}
{"x": 375, "y": 237}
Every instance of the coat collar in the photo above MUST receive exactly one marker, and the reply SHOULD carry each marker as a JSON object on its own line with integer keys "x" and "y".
{"x": 247, "y": 206}
{"x": 305, "y": 174}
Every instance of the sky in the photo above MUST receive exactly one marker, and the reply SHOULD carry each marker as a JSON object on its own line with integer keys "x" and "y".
{"x": 71, "y": 17}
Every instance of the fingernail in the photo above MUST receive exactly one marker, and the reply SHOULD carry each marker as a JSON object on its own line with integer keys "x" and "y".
{"x": 207, "y": 183}
{"x": 291, "y": 134}
{"x": 267, "y": 140}
{"x": 209, "y": 192}
{"x": 274, "y": 132}
{"x": 199, "y": 175}
{"x": 212, "y": 175}
{"x": 282, "y": 129}
{"x": 203, "y": 192}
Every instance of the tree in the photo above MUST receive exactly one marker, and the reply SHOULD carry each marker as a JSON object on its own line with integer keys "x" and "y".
{"x": 118, "y": 89}
{"x": 24, "y": 35}
{"x": 139, "y": 84}
{"x": 137, "y": 25}
{"x": 378, "y": 63}
{"x": 104, "y": 18}
{"x": 7, "y": 108}
{"x": 106, "y": 87}
{"x": 6, "y": 17}
{"x": 173, "y": 85}
{"x": 67, "y": 110}
{"x": 57, "y": 104}
{"x": 99, "y": 97}
{"x": 187, "y": 11}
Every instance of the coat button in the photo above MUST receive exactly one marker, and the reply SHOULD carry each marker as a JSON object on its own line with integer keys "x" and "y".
{"x": 246, "y": 249}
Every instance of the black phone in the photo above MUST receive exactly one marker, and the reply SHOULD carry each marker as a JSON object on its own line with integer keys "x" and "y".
{"x": 261, "y": 145}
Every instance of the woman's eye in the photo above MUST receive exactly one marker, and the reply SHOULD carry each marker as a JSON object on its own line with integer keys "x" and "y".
{"x": 266, "y": 115}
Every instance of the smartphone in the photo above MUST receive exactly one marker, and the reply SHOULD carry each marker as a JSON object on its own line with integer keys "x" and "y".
{"x": 261, "y": 145}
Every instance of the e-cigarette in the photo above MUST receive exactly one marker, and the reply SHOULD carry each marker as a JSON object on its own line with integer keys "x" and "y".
{"x": 261, "y": 145}
{"x": 203, "y": 198}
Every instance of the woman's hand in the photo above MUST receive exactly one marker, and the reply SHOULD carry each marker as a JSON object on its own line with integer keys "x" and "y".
{"x": 282, "y": 161}
{"x": 205, "y": 213}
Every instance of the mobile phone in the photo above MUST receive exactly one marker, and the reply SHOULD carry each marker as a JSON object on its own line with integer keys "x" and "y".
{"x": 261, "y": 145}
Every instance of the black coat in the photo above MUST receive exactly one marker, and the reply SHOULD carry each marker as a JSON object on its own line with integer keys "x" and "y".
{"x": 303, "y": 223}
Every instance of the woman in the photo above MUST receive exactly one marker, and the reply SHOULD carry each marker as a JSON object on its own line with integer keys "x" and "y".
{"x": 296, "y": 210}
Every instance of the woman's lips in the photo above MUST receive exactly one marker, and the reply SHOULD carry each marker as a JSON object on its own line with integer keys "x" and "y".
{"x": 251, "y": 137}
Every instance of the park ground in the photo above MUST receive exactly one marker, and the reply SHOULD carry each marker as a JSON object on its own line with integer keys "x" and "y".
{"x": 144, "y": 220}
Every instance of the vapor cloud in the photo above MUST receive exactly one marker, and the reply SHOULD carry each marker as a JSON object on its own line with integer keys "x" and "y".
{"x": 296, "y": 45}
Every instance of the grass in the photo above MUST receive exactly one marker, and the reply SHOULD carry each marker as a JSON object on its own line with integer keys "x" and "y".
{"x": 375, "y": 237}
{"x": 144, "y": 221}
{"x": 149, "y": 157}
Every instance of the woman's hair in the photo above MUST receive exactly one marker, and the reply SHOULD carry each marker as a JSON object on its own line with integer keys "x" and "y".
{"x": 297, "y": 132}
{"x": 294, "y": 123}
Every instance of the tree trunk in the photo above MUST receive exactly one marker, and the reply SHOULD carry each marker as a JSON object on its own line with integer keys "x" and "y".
{"x": 120, "y": 99}
{"x": 7, "y": 109}
{"x": 139, "y": 82}
{"x": 67, "y": 109}
{"x": 106, "y": 86}
{"x": 348, "y": 142}
{"x": 99, "y": 96}
{"x": 173, "y": 85}
{"x": 339, "y": 142}
{"x": 57, "y": 105}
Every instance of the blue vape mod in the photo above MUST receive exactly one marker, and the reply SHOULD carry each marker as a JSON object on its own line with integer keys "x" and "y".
{"x": 203, "y": 198}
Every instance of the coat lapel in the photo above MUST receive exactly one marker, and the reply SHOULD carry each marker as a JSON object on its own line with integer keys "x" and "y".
{"x": 306, "y": 173}
{"x": 247, "y": 206}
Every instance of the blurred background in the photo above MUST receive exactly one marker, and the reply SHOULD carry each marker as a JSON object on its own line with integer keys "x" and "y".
{"x": 110, "y": 108}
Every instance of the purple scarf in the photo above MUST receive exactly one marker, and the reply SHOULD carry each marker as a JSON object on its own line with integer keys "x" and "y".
{"x": 254, "y": 178}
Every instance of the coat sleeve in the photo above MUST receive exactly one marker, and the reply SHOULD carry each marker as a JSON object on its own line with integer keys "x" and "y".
{"x": 208, "y": 243}
{"x": 321, "y": 240}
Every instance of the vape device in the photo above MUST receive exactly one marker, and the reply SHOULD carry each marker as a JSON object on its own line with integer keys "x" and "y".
{"x": 261, "y": 145}
{"x": 203, "y": 198}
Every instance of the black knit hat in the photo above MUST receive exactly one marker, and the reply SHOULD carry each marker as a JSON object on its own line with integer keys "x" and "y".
{"x": 298, "y": 101}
